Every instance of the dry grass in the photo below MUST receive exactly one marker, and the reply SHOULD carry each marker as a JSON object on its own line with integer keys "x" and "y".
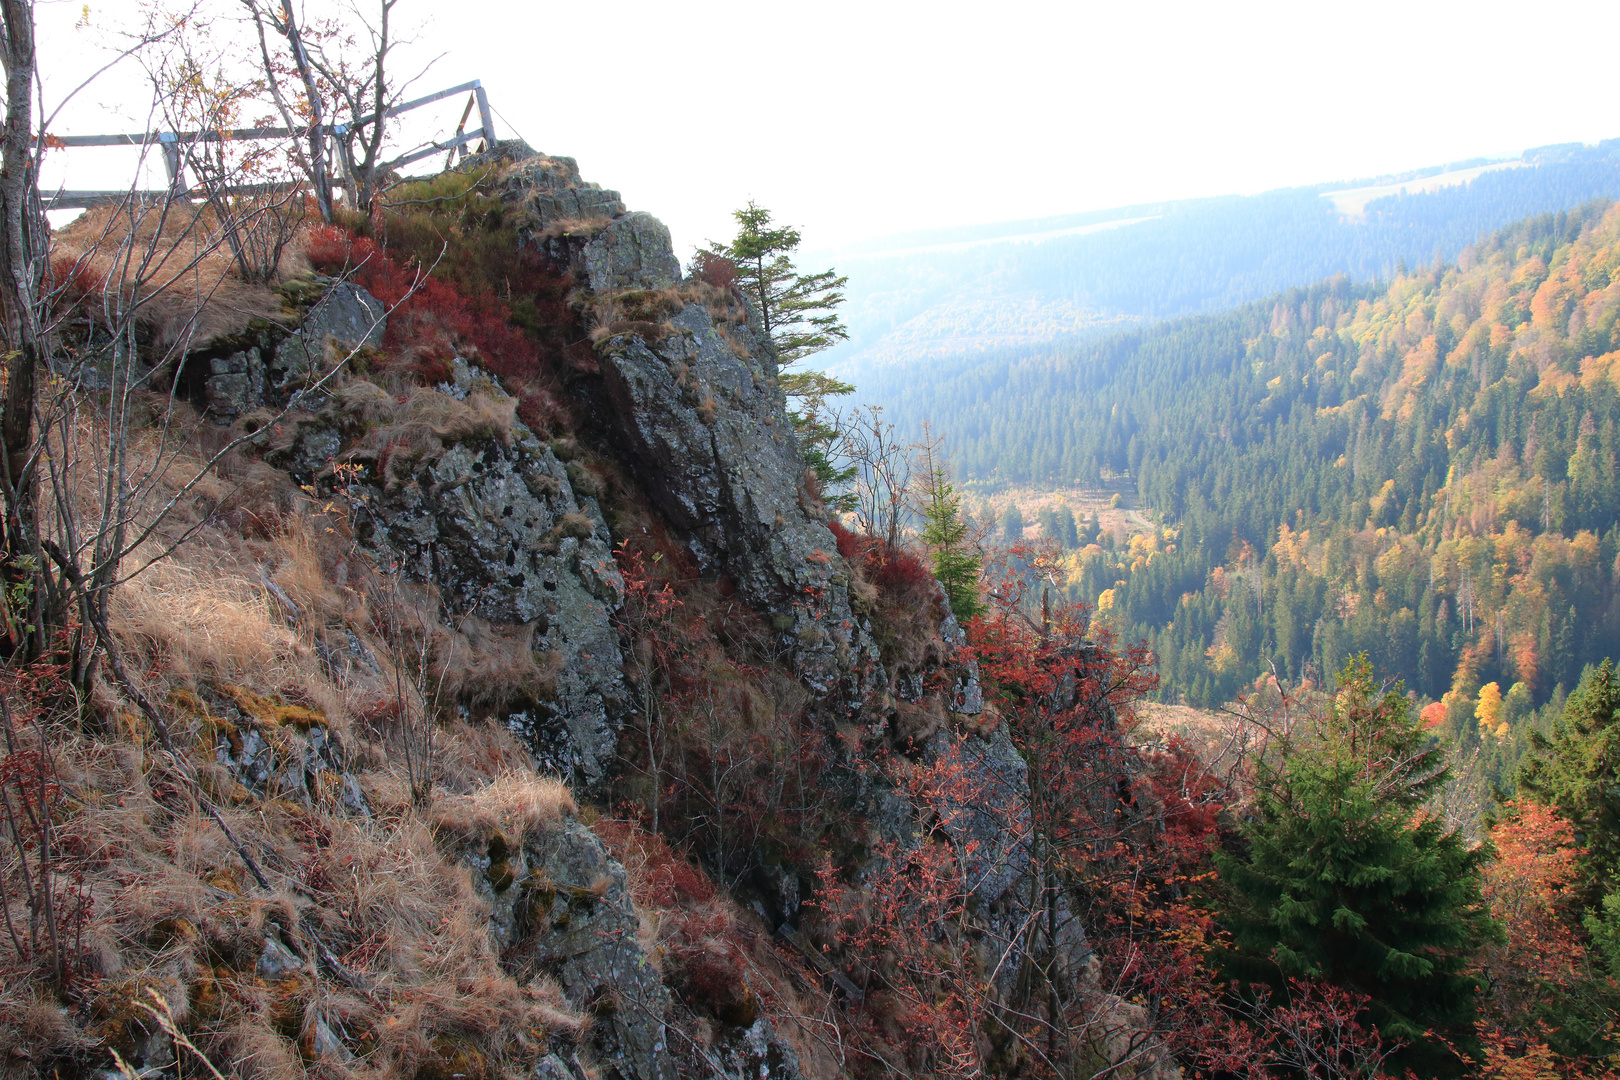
{"x": 723, "y": 305}
{"x": 174, "y": 909}
{"x": 643, "y": 313}
{"x": 515, "y": 804}
{"x": 175, "y": 912}
{"x": 175, "y": 265}
{"x": 200, "y": 620}
{"x": 400, "y": 435}
{"x": 230, "y": 624}
{"x": 571, "y": 228}
{"x": 738, "y": 347}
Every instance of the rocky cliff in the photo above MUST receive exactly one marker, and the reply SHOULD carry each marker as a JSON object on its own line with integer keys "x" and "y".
{"x": 444, "y": 544}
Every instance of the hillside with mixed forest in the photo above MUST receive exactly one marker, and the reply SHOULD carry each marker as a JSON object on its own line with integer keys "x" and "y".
{"x": 1423, "y": 471}
{"x": 970, "y": 292}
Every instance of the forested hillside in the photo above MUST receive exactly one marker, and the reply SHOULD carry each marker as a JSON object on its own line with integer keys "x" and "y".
{"x": 954, "y": 293}
{"x": 1425, "y": 472}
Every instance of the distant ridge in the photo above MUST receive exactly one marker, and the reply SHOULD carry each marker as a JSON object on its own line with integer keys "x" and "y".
{"x": 960, "y": 292}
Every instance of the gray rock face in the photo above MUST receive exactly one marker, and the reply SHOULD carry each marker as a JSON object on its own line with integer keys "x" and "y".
{"x": 993, "y": 824}
{"x": 707, "y": 430}
{"x": 345, "y": 318}
{"x": 275, "y": 366}
{"x": 560, "y": 903}
{"x": 756, "y": 1052}
{"x": 634, "y": 252}
{"x": 550, "y": 190}
{"x": 298, "y": 761}
{"x": 498, "y": 529}
{"x": 235, "y": 383}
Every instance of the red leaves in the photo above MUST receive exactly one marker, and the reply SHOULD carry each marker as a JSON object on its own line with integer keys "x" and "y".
{"x": 1530, "y": 889}
{"x": 905, "y": 930}
{"x": 716, "y": 270}
{"x": 1313, "y": 1030}
{"x": 901, "y": 576}
{"x": 435, "y": 321}
{"x": 431, "y": 312}
{"x": 704, "y": 946}
{"x": 851, "y": 545}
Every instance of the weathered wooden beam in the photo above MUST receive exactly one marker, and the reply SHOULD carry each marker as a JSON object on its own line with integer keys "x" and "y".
{"x": 143, "y": 138}
{"x": 81, "y": 200}
{"x": 170, "y": 143}
{"x": 807, "y": 949}
{"x": 484, "y": 117}
{"x": 436, "y": 148}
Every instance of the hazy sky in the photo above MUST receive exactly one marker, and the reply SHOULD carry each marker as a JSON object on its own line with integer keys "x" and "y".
{"x": 859, "y": 119}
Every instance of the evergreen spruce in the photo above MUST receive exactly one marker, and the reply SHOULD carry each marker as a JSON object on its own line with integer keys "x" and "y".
{"x": 1345, "y": 878}
{"x": 1577, "y": 772}
{"x": 957, "y": 564}
{"x": 798, "y": 313}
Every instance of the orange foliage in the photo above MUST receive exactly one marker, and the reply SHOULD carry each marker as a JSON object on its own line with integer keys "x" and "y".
{"x": 1529, "y": 888}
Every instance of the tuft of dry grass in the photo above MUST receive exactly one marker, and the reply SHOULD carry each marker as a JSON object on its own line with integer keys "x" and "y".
{"x": 571, "y": 228}
{"x": 642, "y": 313}
{"x": 399, "y": 435}
{"x": 174, "y": 263}
{"x": 724, "y": 305}
{"x": 738, "y": 347}
{"x": 515, "y": 804}
{"x": 208, "y": 620}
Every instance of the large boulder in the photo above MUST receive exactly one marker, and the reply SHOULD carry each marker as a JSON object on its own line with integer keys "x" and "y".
{"x": 549, "y": 190}
{"x": 633, "y": 252}
{"x": 560, "y": 904}
{"x": 267, "y": 365}
{"x": 346, "y": 318}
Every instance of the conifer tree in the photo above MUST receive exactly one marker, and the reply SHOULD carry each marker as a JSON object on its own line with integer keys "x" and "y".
{"x": 957, "y": 564}
{"x": 1347, "y": 880}
{"x": 1012, "y": 522}
{"x": 799, "y": 313}
{"x": 1577, "y": 772}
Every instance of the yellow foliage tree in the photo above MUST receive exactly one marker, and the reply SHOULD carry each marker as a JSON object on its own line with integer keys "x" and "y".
{"x": 1489, "y": 710}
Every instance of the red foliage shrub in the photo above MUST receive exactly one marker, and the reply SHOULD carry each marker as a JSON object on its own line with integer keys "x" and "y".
{"x": 903, "y": 577}
{"x": 659, "y": 878}
{"x": 701, "y": 938}
{"x": 76, "y": 278}
{"x": 435, "y": 321}
{"x": 716, "y": 270}
{"x": 851, "y": 545}
{"x": 430, "y": 312}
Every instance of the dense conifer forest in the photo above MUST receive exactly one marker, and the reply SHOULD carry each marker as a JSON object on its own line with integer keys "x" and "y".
{"x": 1424, "y": 471}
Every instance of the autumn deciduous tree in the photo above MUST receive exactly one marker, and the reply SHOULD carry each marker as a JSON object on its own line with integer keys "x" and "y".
{"x": 1343, "y": 877}
{"x": 1548, "y": 990}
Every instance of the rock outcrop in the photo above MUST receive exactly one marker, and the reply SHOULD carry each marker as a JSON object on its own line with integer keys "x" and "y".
{"x": 633, "y": 252}
{"x": 271, "y": 364}
{"x": 705, "y": 426}
{"x": 515, "y": 540}
{"x": 560, "y": 905}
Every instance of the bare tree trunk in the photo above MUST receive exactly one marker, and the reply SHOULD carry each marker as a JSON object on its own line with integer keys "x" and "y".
{"x": 319, "y": 176}
{"x": 311, "y": 157}
{"x": 22, "y": 264}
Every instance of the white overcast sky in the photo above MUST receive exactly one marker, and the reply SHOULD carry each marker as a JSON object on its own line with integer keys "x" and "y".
{"x": 860, "y": 119}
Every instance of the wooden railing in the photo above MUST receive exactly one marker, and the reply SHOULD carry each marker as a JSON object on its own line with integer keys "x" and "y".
{"x": 173, "y": 143}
